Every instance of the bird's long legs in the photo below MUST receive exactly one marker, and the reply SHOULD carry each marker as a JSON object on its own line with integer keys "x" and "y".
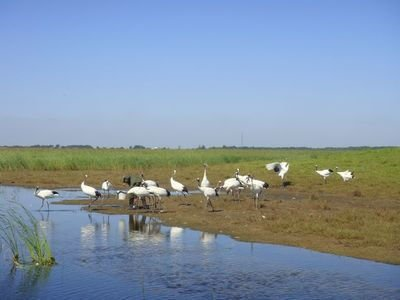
{"x": 42, "y": 204}
{"x": 208, "y": 203}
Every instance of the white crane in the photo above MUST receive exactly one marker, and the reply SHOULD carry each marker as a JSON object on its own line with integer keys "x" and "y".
{"x": 205, "y": 182}
{"x": 139, "y": 192}
{"x": 233, "y": 185}
{"x": 90, "y": 191}
{"x": 44, "y": 195}
{"x": 281, "y": 168}
{"x": 106, "y": 186}
{"x": 158, "y": 192}
{"x": 177, "y": 186}
{"x": 346, "y": 175}
{"x": 324, "y": 173}
{"x": 256, "y": 187}
{"x": 148, "y": 182}
{"x": 209, "y": 193}
{"x": 244, "y": 179}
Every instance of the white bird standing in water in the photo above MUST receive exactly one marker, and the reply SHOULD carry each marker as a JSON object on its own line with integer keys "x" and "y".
{"x": 44, "y": 195}
{"x": 106, "y": 186}
{"x": 324, "y": 173}
{"x": 346, "y": 175}
{"x": 281, "y": 168}
{"x": 205, "y": 182}
{"x": 90, "y": 191}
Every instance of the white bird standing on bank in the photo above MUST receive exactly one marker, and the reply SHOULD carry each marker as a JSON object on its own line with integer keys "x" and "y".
{"x": 177, "y": 186}
{"x": 324, "y": 173}
{"x": 281, "y": 168}
{"x": 205, "y": 181}
{"x": 44, "y": 195}
{"x": 256, "y": 187}
{"x": 208, "y": 192}
{"x": 244, "y": 179}
{"x": 233, "y": 185}
{"x": 346, "y": 175}
{"x": 90, "y": 191}
{"x": 106, "y": 186}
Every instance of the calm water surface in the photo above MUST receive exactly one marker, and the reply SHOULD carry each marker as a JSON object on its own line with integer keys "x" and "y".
{"x": 136, "y": 257}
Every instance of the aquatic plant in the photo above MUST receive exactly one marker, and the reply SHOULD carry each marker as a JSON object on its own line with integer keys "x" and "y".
{"x": 20, "y": 228}
{"x": 9, "y": 235}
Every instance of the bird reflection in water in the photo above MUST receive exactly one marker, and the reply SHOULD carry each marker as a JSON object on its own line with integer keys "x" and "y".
{"x": 208, "y": 238}
{"x": 144, "y": 228}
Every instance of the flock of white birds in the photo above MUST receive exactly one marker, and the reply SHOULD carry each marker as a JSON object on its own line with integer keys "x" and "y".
{"x": 150, "y": 189}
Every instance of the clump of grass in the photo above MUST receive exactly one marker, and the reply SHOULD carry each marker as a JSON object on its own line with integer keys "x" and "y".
{"x": 20, "y": 228}
{"x": 9, "y": 235}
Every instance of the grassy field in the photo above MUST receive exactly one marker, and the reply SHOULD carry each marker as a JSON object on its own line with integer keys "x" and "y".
{"x": 360, "y": 218}
{"x": 377, "y": 170}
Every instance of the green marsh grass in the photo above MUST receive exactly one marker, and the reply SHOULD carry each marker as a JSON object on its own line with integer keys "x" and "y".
{"x": 377, "y": 170}
{"x": 359, "y": 218}
{"x": 9, "y": 235}
{"x": 19, "y": 230}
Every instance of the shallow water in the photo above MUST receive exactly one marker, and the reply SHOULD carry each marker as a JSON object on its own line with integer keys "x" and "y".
{"x": 136, "y": 257}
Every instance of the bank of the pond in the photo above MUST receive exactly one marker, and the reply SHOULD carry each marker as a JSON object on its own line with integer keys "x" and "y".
{"x": 342, "y": 222}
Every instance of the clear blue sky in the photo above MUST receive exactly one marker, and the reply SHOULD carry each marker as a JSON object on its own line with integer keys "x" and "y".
{"x": 190, "y": 73}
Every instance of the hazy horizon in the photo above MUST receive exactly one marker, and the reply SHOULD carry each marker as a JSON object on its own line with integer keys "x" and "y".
{"x": 186, "y": 74}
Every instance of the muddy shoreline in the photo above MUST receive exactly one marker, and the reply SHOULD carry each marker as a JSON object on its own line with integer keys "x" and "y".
{"x": 341, "y": 223}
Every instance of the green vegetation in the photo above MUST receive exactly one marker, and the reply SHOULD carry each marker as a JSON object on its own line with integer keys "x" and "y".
{"x": 360, "y": 218}
{"x": 116, "y": 159}
{"x": 18, "y": 227}
{"x": 376, "y": 170}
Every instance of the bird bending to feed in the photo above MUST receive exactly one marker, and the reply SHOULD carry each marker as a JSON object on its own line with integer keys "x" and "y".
{"x": 44, "y": 195}
{"x": 90, "y": 191}
{"x": 139, "y": 192}
{"x": 148, "y": 182}
{"x": 177, "y": 186}
{"x": 106, "y": 186}
{"x": 346, "y": 175}
{"x": 205, "y": 181}
{"x": 158, "y": 192}
{"x": 324, "y": 173}
{"x": 208, "y": 192}
{"x": 281, "y": 168}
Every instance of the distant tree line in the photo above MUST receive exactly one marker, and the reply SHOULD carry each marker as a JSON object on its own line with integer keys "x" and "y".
{"x": 50, "y": 146}
{"x": 200, "y": 147}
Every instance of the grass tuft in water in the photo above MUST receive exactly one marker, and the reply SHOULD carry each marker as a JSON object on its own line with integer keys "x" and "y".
{"x": 9, "y": 235}
{"x": 20, "y": 228}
